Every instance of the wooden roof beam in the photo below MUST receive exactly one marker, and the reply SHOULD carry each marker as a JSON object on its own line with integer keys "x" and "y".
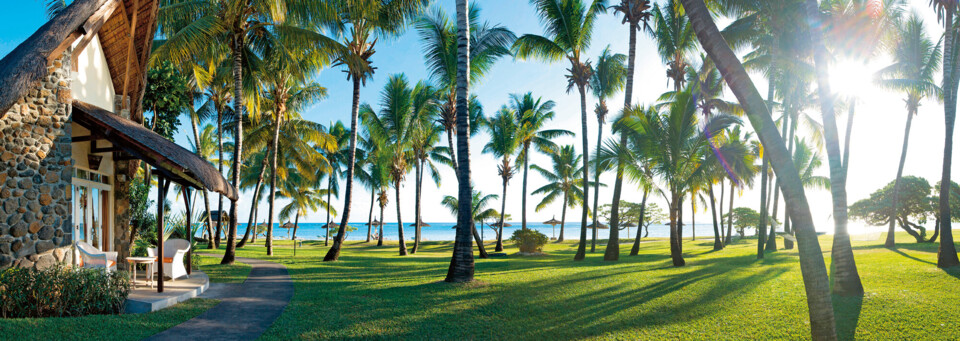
{"x": 131, "y": 39}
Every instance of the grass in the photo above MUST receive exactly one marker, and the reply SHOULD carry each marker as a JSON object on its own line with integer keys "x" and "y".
{"x": 235, "y": 273}
{"x": 373, "y": 293}
{"x": 103, "y": 327}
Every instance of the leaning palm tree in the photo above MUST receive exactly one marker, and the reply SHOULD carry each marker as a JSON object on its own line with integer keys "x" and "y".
{"x": 360, "y": 24}
{"x": 569, "y": 29}
{"x": 636, "y": 14}
{"x": 846, "y": 278}
{"x": 503, "y": 145}
{"x": 197, "y": 29}
{"x": 607, "y": 80}
{"x": 488, "y": 43}
{"x": 533, "y": 114}
{"x": 338, "y": 159}
{"x": 564, "y": 180}
{"x": 812, "y": 265}
{"x": 916, "y": 61}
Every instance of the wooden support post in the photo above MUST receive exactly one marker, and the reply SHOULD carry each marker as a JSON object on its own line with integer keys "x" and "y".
{"x": 186, "y": 200}
{"x": 162, "y": 185}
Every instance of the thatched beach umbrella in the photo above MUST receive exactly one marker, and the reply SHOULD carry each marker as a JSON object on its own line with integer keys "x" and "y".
{"x": 553, "y": 222}
{"x": 288, "y": 225}
{"x": 628, "y": 225}
{"x": 422, "y": 224}
{"x": 602, "y": 226}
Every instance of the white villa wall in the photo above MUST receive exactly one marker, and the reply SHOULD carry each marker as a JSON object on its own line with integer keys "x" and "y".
{"x": 92, "y": 82}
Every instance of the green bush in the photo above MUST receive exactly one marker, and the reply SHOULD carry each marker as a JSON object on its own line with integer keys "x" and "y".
{"x": 529, "y": 240}
{"x": 62, "y": 291}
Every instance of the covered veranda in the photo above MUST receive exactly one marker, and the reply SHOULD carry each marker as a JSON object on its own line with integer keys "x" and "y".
{"x": 169, "y": 162}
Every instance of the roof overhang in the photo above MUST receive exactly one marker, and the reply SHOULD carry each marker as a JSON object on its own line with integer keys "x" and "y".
{"x": 174, "y": 161}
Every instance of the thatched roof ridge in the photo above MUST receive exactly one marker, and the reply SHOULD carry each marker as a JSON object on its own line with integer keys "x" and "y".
{"x": 152, "y": 148}
{"x": 26, "y": 65}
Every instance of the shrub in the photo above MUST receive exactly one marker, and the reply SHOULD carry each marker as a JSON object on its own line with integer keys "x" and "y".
{"x": 62, "y": 291}
{"x": 529, "y": 240}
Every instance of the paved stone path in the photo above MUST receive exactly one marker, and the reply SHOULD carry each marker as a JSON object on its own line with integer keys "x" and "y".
{"x": 245, "y": 310}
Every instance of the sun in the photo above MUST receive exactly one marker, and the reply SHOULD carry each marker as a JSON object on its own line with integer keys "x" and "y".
{"x": 851, "y": 78}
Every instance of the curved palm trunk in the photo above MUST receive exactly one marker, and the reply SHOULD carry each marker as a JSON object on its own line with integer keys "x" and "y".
{"x": 643, "y": 207}
{"x": 723, "y": 194}
{"x": 326, "y": 229}
{"x": 453, "y": 154}
{"x": 274, "y": 147}
{"x": 416, "y": 222}
{"x": 229, "y": 253}
{"x": 896, "y": 184}
{"x": 334, "y": 252}
{"x": 676, "y": 254}
{"x": 717, "y": 243}
{"x": 771, "y": 242}
{"x": 462, "y": 264}
{"x": 582, "y": 249}
{"x": 563, "y": 216}
{"x": 296, "y": 223}
{"x": 812, "y": 265}
{"x": 846, "y": 279}
{"x": 947, "y": 254}
{"x": 846, "y": 138}
{"x": 788, "y": 244}
{"x": 608, "y": 253}
{"x": 403, "y": 242}
{"x": 253, "y": 207}
{"x": 618, "y": 184}
{"x": 479, "y": 241}
{"x": 526, "y": 170}
{"x": 369, "y": 216}
{"x": 776, "y": 183}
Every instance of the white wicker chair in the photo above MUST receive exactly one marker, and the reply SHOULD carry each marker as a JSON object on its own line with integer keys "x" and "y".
{"x": 173, "y": 252}
{"x": 90, "y": 257}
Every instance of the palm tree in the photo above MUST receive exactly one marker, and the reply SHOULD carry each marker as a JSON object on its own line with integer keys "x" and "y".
{"x": 812, "y": 265}
{"x": 946, "y": 10}
{"x": 303, "y": 199}
{"x": 438, "y": 34}
{"x": 563, "y": 180}
{"x": 679, "y": 145}
{"x": 569, "y": 28}
{"x": 634, "y": 13}
{"x": 361, "y": 23}
{"x": 478, "y": 208}
{"x": 532, "y": 115}
{"x": 845, "y": 277}
{"x": 423, "y": 137}
{"x": 503, "y": 144}
{"x": 461, "y": 263}
{"x": 197, "y": 28}
{"x": 608, "y": 78}
{"x": 675, "y": 39}
{"x": 338, "y": 159}
{"x": 916, "y": 60}
{"x": 204, "y": 145}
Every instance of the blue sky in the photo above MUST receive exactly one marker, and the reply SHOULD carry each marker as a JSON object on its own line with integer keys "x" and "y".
{"x": 877, "y": 133}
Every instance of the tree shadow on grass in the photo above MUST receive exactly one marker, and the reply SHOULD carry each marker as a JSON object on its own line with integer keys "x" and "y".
{"x": 846, "y": 312}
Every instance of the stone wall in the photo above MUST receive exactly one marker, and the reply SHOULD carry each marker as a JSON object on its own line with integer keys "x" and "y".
{"x": 36, "y": 173}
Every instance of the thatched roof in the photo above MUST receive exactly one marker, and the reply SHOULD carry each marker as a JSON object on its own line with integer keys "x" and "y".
{"x": 174, "y": 161}
{"x": 111, "y": 21}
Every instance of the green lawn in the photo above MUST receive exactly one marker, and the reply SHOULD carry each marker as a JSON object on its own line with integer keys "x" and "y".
{"x": 235, "y": 273}
{"x": 373, "y": 293}
{"x": 102, "y": 327}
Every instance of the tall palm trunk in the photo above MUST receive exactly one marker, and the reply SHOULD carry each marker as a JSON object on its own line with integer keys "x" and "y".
{"x": 563, "y": 216}
{"x": 206, "y": 198}
{"x": 526, "y": 170}
{"x": 947, "y": 254}
{"x": 730, "y": 215}
{"x": 723, "y": 194}
{"x": 503, "y": 209}
{"x": 582, "y": 249}
{"x": 693, "y": 218}
{"x": 812, "y": 265}
{"x": 230, "y": 253}
{"x": 216, "y": 240}
{"x": 846, "y": 137}
{"x": 776, "y": 183}
{"x": 846, "y": 279}
{"x": 453, "y": 154}
{"x": 380, "y": 234}
{"x": 643, "y": 207}
{"x": 896, "y": 184}
{"x": 608, "y": 253}
{"x": 676, "y": 254}
{"x": 296, "y": 223}
{"x": 717, "y": 243}
{"x": 403, "y": 242}
{"x": 771, "y": 242}
{"x": 253, "y": 207}
{"x": 334, "y": 252}
{"x": 416, "y": 209}
{"x": 461, "y": 264}
{"x": 326, "y": 229}
{"x": 479, "y": 240}
{"x": 788, "y": 244}
{"x": 369, "y": 216}
{"x": 618, "y": 184}
{"x": 275, "y": 151}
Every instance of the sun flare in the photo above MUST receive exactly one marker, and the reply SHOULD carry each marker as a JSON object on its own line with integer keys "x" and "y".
{"x": 851, "y": 78}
